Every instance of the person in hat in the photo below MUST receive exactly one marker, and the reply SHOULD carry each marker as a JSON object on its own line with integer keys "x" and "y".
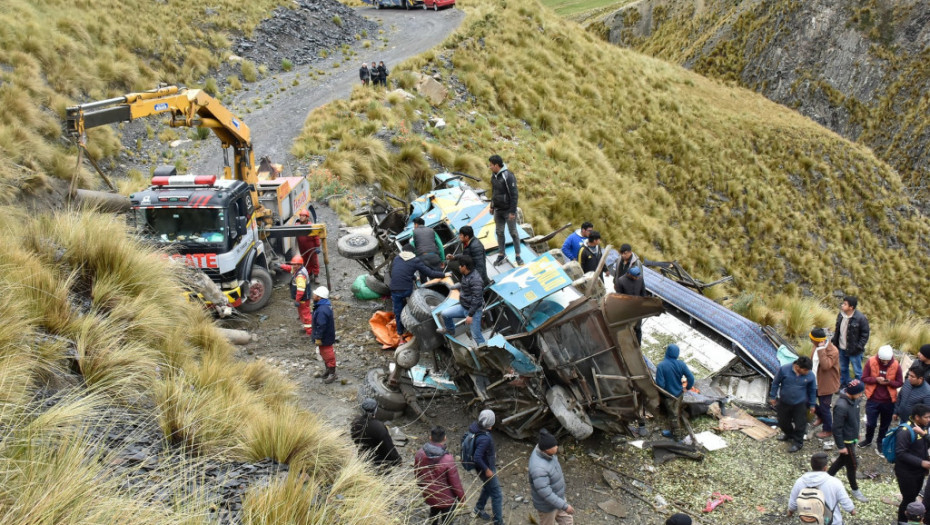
{"x": 826, "y": 359}
{"x": 324, "y": 331}
{"x": 438, "y": 477}
{"x": 300, "y": 291}
{"x": 846, "y": 434}
{"x": 309, "y": 246}
{"x": 793, "y": 393}
{"x": 834, "y": 494}
{"x": 914, "y": 513}
{"x": 679, "y": 519}
{"x": 372, "y": 437}
{"x": 882, "y": 377}
{"x": 668, "y": 378}
{"x": 364, "y": 74}
{"x": 485, "y": 458}
{"x": 547, "y": 483}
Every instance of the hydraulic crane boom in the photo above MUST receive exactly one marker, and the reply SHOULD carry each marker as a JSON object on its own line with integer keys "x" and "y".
{"x": 191, "y": 108}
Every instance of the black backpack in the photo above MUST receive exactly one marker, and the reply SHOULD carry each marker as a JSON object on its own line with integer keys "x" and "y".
{"x": 469, "y": 441}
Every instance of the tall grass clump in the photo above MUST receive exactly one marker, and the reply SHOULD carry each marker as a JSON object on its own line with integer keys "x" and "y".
{"x": 680, "y": 166}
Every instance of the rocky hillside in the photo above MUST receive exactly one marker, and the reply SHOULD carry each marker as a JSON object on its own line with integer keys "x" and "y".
{"x": 857, "y": 67}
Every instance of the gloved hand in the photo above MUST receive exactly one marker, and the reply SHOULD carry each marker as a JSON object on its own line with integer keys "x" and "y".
{"x": 297, "y": 304}
{"x": 319, "y": 342}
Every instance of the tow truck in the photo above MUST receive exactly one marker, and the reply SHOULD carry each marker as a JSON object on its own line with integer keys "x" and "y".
{"x": 235, "y": 228}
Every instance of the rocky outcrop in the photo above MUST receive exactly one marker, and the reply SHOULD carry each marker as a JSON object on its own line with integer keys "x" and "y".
{"x": 859, "y": 68}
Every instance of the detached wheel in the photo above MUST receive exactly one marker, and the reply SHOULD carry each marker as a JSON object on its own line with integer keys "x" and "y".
{"x": 357, "y": 246}
{"x": 407, "y": 355}
{"x": 375, "y": 386}
{"x": 377, "y": 285}
{"x": 569, "y": 413}
{"x": 573, "y": 270}
{"x": 259, "y": 292}
{"x": 422, "y": 302}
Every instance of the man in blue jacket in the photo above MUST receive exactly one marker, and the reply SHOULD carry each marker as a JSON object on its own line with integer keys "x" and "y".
{"x": 485, "y": 458}
{"x": 793, "y": 394}
{"x": 324, "y": 331}
{"x": 668, "y": 377}
{"x": 576, "y": 240}
{"x": 405, "y": 265}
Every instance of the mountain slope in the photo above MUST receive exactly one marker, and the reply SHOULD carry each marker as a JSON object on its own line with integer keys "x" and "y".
{"x": 858, "y": 68}
{"x": 679, "y": 165}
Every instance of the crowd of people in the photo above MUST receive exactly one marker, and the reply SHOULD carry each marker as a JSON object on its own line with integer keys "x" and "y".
{"x": 374, "y": 75}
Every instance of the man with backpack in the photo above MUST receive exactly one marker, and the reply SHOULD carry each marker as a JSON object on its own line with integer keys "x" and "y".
{"x": 910, "y": 456}
{"x": 438, "y": 478}
{"x": 817, "y": 495}
{"x": 479, "y": 445}
{"x": 846, "y": 434}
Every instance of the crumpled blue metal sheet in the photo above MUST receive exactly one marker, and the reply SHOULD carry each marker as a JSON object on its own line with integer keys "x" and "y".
{"x": 745, "y": 334}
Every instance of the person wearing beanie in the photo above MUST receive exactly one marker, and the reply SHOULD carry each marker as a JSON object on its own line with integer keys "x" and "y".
{"x": 915, "y": 391}
{"x": 923, "y": 355}
{"x": 547, "y": 483}
{"x": 679, "y": 519}
{"x": 826, "y": 359}
{"x": 668, "y": 377}
{"x": 914, "y": 513}
{"x": 846, "y": 434}
{"x": 793, "y": 392}
{"x": 324, "y": 331}
{"x": 851, "y": 336}
{"x": 372, "y": 437}
{"x": 485, "y": 458}
{"x": 882, "y": 377}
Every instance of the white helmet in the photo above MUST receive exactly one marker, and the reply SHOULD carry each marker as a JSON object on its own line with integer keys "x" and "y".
{"x": 321, "y": 292}
{"x": 886, "y": 353}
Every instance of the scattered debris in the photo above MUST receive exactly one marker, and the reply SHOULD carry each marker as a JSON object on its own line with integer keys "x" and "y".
{"x": 719, "y": 499}
{"x": 708, "y": 440}
{"x": 613, "y": 508}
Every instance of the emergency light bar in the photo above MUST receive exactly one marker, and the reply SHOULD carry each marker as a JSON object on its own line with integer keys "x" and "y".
{"x": 184, "y": 180}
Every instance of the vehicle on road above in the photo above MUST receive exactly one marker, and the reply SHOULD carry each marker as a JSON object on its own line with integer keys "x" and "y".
{"x": 436, "y": 5}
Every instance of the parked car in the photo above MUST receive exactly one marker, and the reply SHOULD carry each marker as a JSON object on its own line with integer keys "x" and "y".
{"x": 436, "y": 4}
{"x": 559, "y": 350}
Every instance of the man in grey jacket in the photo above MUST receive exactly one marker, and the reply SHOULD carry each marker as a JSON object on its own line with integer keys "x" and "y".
{"x": 834, "y": 494}
{"x": 547, "y": 483}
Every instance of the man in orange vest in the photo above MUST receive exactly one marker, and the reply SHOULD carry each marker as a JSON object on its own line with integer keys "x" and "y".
{"x": 300, "y": 291}
{"x": 882, "y": 377}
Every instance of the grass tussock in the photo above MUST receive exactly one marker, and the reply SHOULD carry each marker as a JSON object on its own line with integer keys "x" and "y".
{"x": 678, "y": 165}
{"x": 97, "y": 320}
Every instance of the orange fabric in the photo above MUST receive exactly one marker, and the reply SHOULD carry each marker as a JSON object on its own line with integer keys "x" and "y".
{"x": 385, "y": 329}
{"x": 306, "y": 316}
{"x": 892, "y": 371}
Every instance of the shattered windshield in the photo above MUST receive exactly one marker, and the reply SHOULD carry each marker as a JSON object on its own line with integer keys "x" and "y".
{"x": 182, "y": 225}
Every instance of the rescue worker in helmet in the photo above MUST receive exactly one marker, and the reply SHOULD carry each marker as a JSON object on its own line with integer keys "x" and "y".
{"x": 300, "y": 291}
{"x": 309, "y": 247}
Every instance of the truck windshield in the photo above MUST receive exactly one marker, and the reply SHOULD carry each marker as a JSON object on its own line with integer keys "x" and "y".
{"x": 182, "y": 225}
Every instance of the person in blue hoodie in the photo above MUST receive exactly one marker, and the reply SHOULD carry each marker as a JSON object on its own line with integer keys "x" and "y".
{"x": 668, "y": 377}
{"x": 324, "y": 331}
{"x": 576, "y": 240}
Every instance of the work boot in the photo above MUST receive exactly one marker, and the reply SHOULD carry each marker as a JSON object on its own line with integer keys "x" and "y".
{"x": 330, "y": 375}
{"x": 519, "y": 261}
{"x": 864, "y": 444}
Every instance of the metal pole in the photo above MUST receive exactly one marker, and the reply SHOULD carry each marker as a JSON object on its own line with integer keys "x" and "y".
{"x": 329, "y": 282}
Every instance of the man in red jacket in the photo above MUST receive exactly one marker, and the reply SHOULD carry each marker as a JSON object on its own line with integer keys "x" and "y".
{"x": 882, "y": 377}
{"x": 438, "y": 478}
{"x": 308, "y": 246}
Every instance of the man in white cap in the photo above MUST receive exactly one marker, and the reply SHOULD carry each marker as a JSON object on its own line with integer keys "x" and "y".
{"x": 324, "y": 331}
{"x": 882, "y": 377}
{"x": 485, "y": 460}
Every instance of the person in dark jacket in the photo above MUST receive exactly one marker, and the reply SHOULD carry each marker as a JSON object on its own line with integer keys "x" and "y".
{"x": 426, "y": 244}
{"x": 372, "y": 437}
{"x": 668, "y": 377}
{"x": 795, "y": 389}
{"x": 438, "y": 478}
{"x": 590, "y": 255}
{"x": 471, "y": 302}
{"x": 576, "y": 240}
{"x": 911, "y": 463}
{"x": 679, "y": 518}
{"x": 631, "y": 283}
{"x": 324, "y": 331}
{"x": 882, "y": 377}
{"x": 403, "y": 268}
{"x": 504, "y": 199}
{"x": 915, "y": 391}
{"x": 382, "y": 73}
{"x": 846, "y": 434}
{"x": 627, "y": 260}
{"x": 364, "y": 74}
{"x": 850, "y": 336}
{"x": 485, "y": 458}
{"x": 547, "y": 483}
{"x": 473, "y": 248}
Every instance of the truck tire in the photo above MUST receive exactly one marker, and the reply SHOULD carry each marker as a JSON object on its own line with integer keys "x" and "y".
{"x": 377, "y": 285}
{"x": 573, "y": 270}
{"x": 570, "y": 414}
{"x": 599, "y": 290}
{"x": 422, "y": 302}
{"x": 375, "y": 387}
{"x": 259, "y": 292}
{"x": 407, "y": 319}
{"x": 407, "y": 355}
{"x": 357, "y": 246}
